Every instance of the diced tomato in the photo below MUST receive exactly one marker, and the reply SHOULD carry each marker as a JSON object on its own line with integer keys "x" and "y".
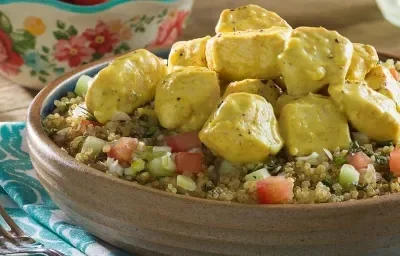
{"x": 84, "y": 123}
{"x": 359, "y": 160}
{"x": 184, "y": 141}
{"x": 394, "y": 73}
{"x": 274, "y": 190}
{"x": 394, "y": 162}
{"x": 123, "y": 149}
{"x": 189, "y": 162}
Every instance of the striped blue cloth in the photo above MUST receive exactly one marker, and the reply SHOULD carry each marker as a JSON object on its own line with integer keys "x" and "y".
{"x": 31, "y": 207}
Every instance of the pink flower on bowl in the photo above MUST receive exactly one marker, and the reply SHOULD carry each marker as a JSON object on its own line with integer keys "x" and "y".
{"x": 170, "y": 29}
{"x": 10, "y": 61}
{"x": 102, "y": 40}
{"x": 73, "y": 50}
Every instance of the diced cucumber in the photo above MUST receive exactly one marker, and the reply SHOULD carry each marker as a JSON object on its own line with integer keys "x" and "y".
{"x": 157, "y": 169}
{"x": 348, "y": 175}
{"x": 370, "y": 174}
{"x": 146, "y": 153}
{"x": 185, "y": 182}
{"x": 93, "y": 143}
{"x": 168, "y": 163}
{"x": 226, "y": 167}
{"x": 161, "y": 149}
{"x": 257, "y": 175}
{"x": 136, "y": 166}
{"x": 82, "y": 85}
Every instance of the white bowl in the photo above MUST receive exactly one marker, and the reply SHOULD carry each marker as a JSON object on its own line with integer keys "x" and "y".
{"x": 390, "y": 10}
{"x": 42, "y": 39}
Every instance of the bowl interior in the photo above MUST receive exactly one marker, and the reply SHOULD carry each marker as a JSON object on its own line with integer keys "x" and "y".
{"x": 44, "y": 105}
{"x": 68, "y": 85}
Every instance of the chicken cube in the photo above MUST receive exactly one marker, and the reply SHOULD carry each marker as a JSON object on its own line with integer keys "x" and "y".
{"x": 126, "y": 83}
{"x": 185, "y": 98}
{"x": 381, "y": 79}
{"x": 364, "y": 58}
{"x": 313, "y": 58}
{"x": 243, "y": 129}
{"x": 188, "y": 53}
{"x": 311, "y": 123}
{"x": 368, "y": 111}
{"x": 248, "y": 17}
{"x": 282, "y": 101}
{"x": 248, "y": 54}
{"x": 265, "y": 88}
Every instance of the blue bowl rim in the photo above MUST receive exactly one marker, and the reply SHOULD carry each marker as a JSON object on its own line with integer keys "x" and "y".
{"x": 80, "y": 8}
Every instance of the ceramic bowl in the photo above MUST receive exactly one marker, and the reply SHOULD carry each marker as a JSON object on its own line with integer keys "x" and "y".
{"x": 152, "y": 222}
{"x": 390, "y": 10}
{"x": 42, "y": 39}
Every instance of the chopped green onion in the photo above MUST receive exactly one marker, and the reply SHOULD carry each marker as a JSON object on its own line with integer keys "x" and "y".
{"x": 157, "y": 169}
{"x": 339, "y": 161}
{"x": 311, "y": 159}
{"x": 348, "y": 176}
{"x": 354, "y": 147}
{"x": 82, "y": 85}
{"x": 328, "y": 153}
{"x": 136, "y": 167}
{"x": 381, "y": 159}
{"x": 257, "y": 175}
{"x": 185, "y": 182}
{"x": 314, "y": 155}
{"x": 327, "y": 182}
{"x": 94, "y": 144}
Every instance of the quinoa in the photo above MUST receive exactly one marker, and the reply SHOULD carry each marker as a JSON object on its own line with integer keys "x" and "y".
{"x": 314, "y": 179}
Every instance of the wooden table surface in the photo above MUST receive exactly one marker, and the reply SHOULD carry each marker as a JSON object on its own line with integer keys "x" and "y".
{"x": 359, "y": 20}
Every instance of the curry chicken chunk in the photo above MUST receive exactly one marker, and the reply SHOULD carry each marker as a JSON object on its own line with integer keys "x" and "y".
{"x": 186, "y": 97}
{"x": 364, "y": 58}
{"x": 313, "y": 58}
{"x": 380, "y": 79}
{"x": 243, "y": 129}
{"x": 248, "y": 54}
{"x": 368, "y": 111}
{"x": 125, "y": 84}
{"x": 249, "y": 17}
{"x": 188, "y": 53}
{"x": 313, "y": 123}
{"x": 265, "y": 88}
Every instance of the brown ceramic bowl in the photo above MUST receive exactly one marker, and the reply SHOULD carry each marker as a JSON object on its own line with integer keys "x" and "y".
{"x": 151, "y": 222}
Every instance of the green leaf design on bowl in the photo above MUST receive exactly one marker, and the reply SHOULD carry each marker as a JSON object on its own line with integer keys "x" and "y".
{"x": 23, "y": 41}
{"x": 5, "y": 23}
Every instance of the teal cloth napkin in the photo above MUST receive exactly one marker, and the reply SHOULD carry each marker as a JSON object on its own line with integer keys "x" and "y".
{"x": 31, "y": 207}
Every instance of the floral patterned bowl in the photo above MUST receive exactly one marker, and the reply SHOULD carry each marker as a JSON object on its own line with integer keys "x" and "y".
{"x": 42, "y": 39}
